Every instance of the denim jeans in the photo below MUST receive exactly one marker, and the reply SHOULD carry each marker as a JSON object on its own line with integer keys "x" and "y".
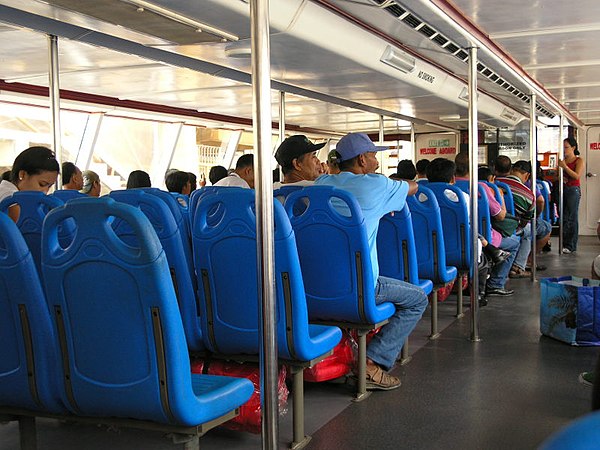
{"x": 500, "y": 271}
{"x": 542, "y": 229}
{"x": 410, "y": 302}
{"x": 571, "y": 197}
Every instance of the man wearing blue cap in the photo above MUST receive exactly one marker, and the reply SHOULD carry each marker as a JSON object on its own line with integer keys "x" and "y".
{"x": 378, "y": 195}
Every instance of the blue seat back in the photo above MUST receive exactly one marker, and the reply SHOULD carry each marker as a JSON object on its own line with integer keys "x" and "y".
{"x": 334, "y": 255}
{"x": 282, "y": 193}
{"x": 225, "y": 258}
{"x": 508, "y": 197}
{"x": 546, "y": 213}
{"x": 183, "y": 201}
{"x": 582, "y": 433}
{"x": 67, "y": 194}
{"x": 456, "y": 227}
{"x": 28, "y": 357}
{"x": 33, "y": 206}
{"x": 483, "y": 208}
{"x": 115, "y": 315}
{"x": 184, "y": 281}
{"x": 396, "y": 250}
{"x": 496, "y": 190}
{"x": 427, "y": 226}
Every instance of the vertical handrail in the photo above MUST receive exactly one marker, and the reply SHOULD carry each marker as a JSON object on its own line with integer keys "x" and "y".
{"x": 54, "y": 93}
{"x": 533, "y": 158}
{"x": 561, "y": 155}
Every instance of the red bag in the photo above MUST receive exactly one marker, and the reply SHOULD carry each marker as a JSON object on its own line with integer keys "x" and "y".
{"x": 443, "y": 292}
{"x": 337, "y": 365}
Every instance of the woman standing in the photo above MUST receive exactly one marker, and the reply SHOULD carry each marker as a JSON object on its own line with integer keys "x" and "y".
{"x": 572, "y": 167}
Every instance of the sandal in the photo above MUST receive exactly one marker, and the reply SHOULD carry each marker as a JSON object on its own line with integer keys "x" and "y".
{"x": 517, "y": 272}
{"x": 378, "y": 379}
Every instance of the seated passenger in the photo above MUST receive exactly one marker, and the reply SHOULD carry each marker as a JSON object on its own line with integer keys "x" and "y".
{"x": 216, "y": 174}
{"x": 297, "y": 157}
{"x": 502, "y": 166}
{"x": 72, "y": 178}
{"x": 178, "y": 182}
{"x": 405, "y": 170}
{"x": 421, "y": 168}
{"x": 378, "y": 195}
{"x": 485, "y": 174}
{"x": 495, "y": 286}
{"x": 5, "y": 175}
{"x": 91, "y": 184}
{"x": 138, "y": 179}
{"x": 34, "y": 169}
{"x": 332, "y": 163}
{"x": 243, "y": 175}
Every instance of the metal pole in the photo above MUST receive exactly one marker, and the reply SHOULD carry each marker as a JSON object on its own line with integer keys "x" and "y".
{"x": 473, "y": 158}
{"x": 54, "y": 91}
{"x": 413, "y": 142}
{"x": 533, "y": 159}
{"x": 281, "y": 116}
{"x": 381, "y": 138}
{"x": 261, "y": 115}
{"x": 561, "y": 155}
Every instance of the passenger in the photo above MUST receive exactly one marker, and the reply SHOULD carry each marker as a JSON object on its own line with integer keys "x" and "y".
{"x": 297, "y": 157}
{"x": 406, "y": 170}
{"x": 138, "y": 179}
{"x": 72, "y": 177}
{"x": 193, "y": 181}
{"x": 573, "y": 167}
{"x": 377, "y": 196}
{"x": 243, "y": 175}
{"x": 216, "y": 174}
{"x": 6, "y": 176}
{"x": 91, "y": 184}
{"x": 495, "y": 286}
{"x": 332, "y": 163}
{"x": 485, "y": 174}
{"x": 34, "y": 169}
{"x": 525, "y": 206}
{"x": 178, "y": 182}
{"x": 502, "y": 166}
{"x": 421, "y": 168}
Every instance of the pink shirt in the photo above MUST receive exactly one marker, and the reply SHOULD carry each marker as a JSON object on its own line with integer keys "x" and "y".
{"x": 495, "y": 209}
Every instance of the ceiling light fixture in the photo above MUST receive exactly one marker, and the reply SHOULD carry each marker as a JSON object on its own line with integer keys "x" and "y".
{"x": 398, "y": 59}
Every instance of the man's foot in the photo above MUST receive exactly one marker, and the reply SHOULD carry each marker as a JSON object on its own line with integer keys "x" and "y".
{"x": 517, "y": 272}
{"x": 379, "y": 379}
{"x": 587, "y": 378}
{"x": 566, "y": 251}
{"x": 547, "y": 248}
{"x": 538, "y": 267}
{"x": 497, "y": 255}
{"x": 482, "y": 300}
{"x": 498, "y": 292}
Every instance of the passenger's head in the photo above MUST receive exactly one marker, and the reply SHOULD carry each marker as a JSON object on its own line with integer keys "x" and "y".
{"x": 6, "y": 175}
{"x": 216, "y": 173}
{"x": 570, "y": 146}
{"x": 521, "y": 169}
{"x": 179, "y": 182}
{"x": 138, "y": 179}
{"x": 297, "y": 157}
{"x": 71, "y": 176}
{"x": 35, "y": 169}
{"x": 406, "y": 170}
{"x": 462, "y": 164}
{"x": 245, "y": 169}
{"x": 357, "y": 153}
{"x": 485, "y": 174}
{"x": 193, "y": 181}
{"x": 421, "y": 167}
{"x": 441, "y": 170}
{"x": 502, "y": 165}
{"x": 333, "y": 162}
{"x": 91, "y": 184}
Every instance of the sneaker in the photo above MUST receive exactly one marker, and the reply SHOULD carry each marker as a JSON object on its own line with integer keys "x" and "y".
{"x": 379, "y": 379}
{"x": 566, "y": 251}
{"x": 586, "y": 378}
{"x": 496, "y": 254}
{"x": 498, "y": 292}
{"x": 547, "y": 248}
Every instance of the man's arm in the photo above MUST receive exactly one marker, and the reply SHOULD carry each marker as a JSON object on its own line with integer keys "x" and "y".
{"x": 539, "y": 205}
{"x": 412, "y": 187}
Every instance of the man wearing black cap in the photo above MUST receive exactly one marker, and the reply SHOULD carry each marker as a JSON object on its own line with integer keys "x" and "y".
{"x": 378, "y": 195}
{"x": 297, "y": 157}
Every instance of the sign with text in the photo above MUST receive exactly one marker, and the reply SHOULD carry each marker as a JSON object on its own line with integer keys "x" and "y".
{"x": 431, "y": 146}
{"x": 594, "y": 145}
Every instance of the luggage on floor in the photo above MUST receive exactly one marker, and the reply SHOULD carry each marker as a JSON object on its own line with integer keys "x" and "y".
{"x": 337, "y": 365}
{"x": 570, "y": 310}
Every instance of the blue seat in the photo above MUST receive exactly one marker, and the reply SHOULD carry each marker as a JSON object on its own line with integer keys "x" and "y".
{"x": 336, "y": 264}
{"x": 427, "y": 226}
{"x": 497, "y": 193}
{"x": 34, "y": 206}
{"x": 67, "y": 194}
{"x": 119, "y": 328}
{"x": 28, "y": 356}
{"x": 282, "y": 193}
{"x": 581, "y": 434}
{"x": 483, "y": 208}
{"x": 184, "y": 281}
{"x": 547, "y": 213}
{"x": 225, "y": 259}
{"x": 508, "y": 197}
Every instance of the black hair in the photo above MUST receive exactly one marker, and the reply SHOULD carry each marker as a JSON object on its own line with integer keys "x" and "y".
{"x": 406, "y": 170}
{"x": 193, "y": 181}
{"x": 6, "y": 175}
{"x": 573, "y": 143}
{"x": 216, "y": 173}
{"x": 484, "y": 173}
{"x": 522, "y": 166}
{"x": 245, "y": 161}
{"x": 34, "y": 161}
{"x": 422, "y": 165}
{"x": 441, "y": 170}
{"x": 462, "y": 164}
{"x": 138, "y": 179}
{"x": 176, "y": 181}
{"x": 68, "y": 170}
{"x": 502, "y": 164}
{"x": 347, "y": 164}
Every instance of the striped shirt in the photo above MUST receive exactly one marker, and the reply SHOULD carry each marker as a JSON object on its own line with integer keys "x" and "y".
{"x": 522, "y": 196}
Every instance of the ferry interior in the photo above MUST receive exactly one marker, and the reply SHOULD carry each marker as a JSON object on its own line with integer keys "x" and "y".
{"x": 158, "y": 84}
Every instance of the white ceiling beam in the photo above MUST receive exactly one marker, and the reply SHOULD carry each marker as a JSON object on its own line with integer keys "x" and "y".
{"x": 559, "y": 65}
{"x": 582, "y": 100}
{"x": 577, "y": 28}
{"x": 573, "y": 85}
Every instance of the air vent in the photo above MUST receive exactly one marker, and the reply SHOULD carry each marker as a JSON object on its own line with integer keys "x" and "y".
{"x": 480, "y": 67}
{"x": 427, "y": 30}
{"x": 412, "y": 21}
{"x": 452, "y": 48}
{"x": 462, "y": 55}
{"x": 440, "y": 40}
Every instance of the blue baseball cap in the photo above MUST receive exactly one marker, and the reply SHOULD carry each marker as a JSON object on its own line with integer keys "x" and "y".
{"x": 354, "y": 144}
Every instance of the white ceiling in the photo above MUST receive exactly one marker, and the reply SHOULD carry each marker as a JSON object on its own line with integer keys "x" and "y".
{"x": 324, "y": 60}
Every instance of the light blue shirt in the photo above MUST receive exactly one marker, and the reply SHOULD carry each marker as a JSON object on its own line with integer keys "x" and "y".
{"x": 376, "y": 194}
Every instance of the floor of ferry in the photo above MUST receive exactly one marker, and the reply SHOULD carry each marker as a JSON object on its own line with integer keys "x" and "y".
{"x": 510, "y": 390}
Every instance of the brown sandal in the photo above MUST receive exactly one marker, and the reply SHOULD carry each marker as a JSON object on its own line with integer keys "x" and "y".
{"x": 517, "y": 272}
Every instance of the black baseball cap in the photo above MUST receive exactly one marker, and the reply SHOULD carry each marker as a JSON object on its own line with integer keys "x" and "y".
{"x": 294, "y": 147}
